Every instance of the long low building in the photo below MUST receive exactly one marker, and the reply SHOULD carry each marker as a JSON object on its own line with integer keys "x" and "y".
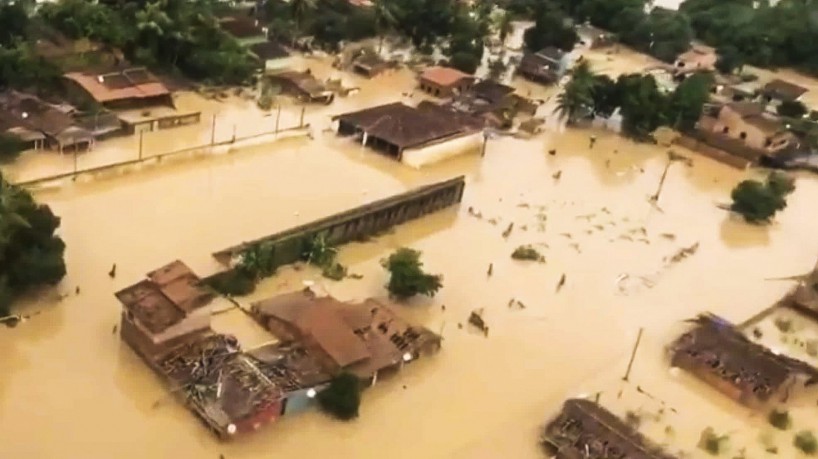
{"x": 585, "y": 429}
{"x": 415, "y": 136}
{"x": 716, "y": 352}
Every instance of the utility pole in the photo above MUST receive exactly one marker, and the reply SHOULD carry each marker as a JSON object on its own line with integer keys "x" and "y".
{"x": 141, "y": 134}
{"x": 485, "y": 141}
{"x": 278, "y": 117}
{"x": 633, "y": 355}
{"x": 301, "y": 121}
{"x": 213, "y": 132}
{"x": 234, "y": 134}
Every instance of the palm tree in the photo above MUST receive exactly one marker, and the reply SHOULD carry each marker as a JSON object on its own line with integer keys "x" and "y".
{"x": 299, "y": 10}
{"x": 504, "y": 26}
{"x": 577, "y": 98}
{"x": 385, "y": 19}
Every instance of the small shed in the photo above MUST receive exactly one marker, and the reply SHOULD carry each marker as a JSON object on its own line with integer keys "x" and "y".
{"x": 445, "y": 81}
{"x": 370, "y": 65}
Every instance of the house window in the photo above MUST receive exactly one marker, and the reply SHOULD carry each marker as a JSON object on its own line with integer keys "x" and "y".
{"x": 725, "y": 130}
{"x": 743, "y": 136}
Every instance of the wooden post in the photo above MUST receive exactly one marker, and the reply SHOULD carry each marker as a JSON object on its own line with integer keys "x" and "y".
{"x": 485, "y": 141}
{"x": 278, "y": 117}
{"x": 141, "y": 133}
{"x": 75, "y": 162}
{"x": 301, "y": 121}
{"x": 633, "y": 355}
{"x": 213, "y": 132}
{"x": 234, "y": 134}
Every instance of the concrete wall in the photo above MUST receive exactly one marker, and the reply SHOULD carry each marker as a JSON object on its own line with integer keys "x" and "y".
{"x": 359, "y": 222}
{"x": 419, "y": 157}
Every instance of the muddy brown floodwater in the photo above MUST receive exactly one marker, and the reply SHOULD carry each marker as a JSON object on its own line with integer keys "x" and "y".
{"x": 71, "y": 389}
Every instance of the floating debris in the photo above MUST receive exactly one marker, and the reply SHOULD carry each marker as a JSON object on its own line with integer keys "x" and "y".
{"x": 476, "y": 319}
{"x": 599, "y": 227}
{"x": 475, "y": 213}
{"x": 586, "y": 217}
{"x": 626, "y": 237}
{"x": 527, "y": 252}
{"x": 520, "y": 304}
{"x": 605, "y": 210}
{"x": 491, "y": 269}
{"x": 557, "y": 175}
{"x": 575, "y": 245}
{"x": 568, "y": 235}
{"x": 668, "y": 236}
{"x": 113, "y": 332}
{"x": 684, "y": 253}
{"x": 552, "y": 152}
{"x": 524, "y": 205}
{"x": 355, "y": 276}
{"x": 561, "y": 283}
{"x": 493, "y": 221}
{"x": 508, "y": 230}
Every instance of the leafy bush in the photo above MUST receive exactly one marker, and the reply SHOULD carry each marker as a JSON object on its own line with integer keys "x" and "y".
{"x": 342, "y": 397}
{"x": 806, "y": 442}
{"x": 407, "y": 278}
{"x": 233, "y": 282}
{"x": 780, "y": 419}
{"x": 526, "y": 252}
{"x": 758, "y": 202}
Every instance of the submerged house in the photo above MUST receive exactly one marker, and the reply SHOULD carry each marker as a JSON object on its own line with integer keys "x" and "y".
{"x": 744, "y": 129}
{"x": 40, "y": 124}
{"x": 585, "y": 429}
{"x": 594, "y": 37}
{"x": 133, "y": 87}
{"x": 415, "y": 136}
{"x": 696, "y": 59}
{"x": 444, "y": 81}
{"x": 303, "y": 86}
{"x": 169, "y": 307}
{"x": 370, "y": 64}
{"x": 493, "y": 102}
{"x": 271, "y": 55}
{"x": 716, "y": 352}
{"x": 547, "y": 66}
{"x": 244, "y": 28}
{"x": 367, "y": 339}
{"x": 778, "y": 91}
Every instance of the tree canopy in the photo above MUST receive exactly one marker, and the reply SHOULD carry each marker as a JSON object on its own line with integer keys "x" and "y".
{"x": 552, "y": 28}
{"x": 759, "y": 201}
{"x": 407, "y": 277}
{"x": 342, "y": 397}
{"x": 792, "y": 109}
{"x": 30, "y": 254}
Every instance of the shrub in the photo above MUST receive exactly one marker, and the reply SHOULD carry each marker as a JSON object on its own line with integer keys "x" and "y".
{"x": 407, "y": 278}
{"x": 342, "y": 398}
{"x": 780, "y": 419}
{"x": 526, "y": 252}
{"x": 806, "y": 442}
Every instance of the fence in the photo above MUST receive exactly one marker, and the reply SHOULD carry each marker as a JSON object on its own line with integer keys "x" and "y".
{"x": 287, "y": 246}
{"x": 722, "y": 150}
{"x": 212, "y": 147}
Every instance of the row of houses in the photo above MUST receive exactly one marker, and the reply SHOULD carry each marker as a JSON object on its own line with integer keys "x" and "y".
{"x": 166, "y": 321}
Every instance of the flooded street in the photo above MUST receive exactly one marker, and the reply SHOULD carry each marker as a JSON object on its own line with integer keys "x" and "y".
{"x": 66, "y": 371}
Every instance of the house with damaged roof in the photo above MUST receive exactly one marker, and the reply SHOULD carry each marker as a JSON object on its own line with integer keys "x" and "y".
{"x": 169, "y": 307}
{"x": 546, "y": 66}
{"x": 133, "y": 87}
{"x": 39, "y": 124}
{"x": 414, "y": 135}
{"x": 716, "y": 352}
{"x": 366, "y": 339}
{"x": 585, "y": 429}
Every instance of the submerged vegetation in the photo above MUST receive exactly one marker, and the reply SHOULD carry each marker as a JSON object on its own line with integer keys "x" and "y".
{"x": 805, "y": 441}
{"x": 780, "y": 419}
{"x": 528, "y": 253}
{"x": 342, "y": 397}
{"x": 758, "y": 201}
{"x": 406, "y": 275}
{"x": 31, "y": 255}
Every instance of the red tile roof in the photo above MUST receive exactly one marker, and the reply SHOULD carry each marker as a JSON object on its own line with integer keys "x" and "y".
{"x": 443, "y": 76}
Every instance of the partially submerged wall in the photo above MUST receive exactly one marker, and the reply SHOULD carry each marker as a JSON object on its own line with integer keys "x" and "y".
{"x": 357, "y": 223}
{"x": 722, "y": 150}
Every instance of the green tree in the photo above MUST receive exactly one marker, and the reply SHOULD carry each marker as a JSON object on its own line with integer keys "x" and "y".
{"x": 300, "y": 9}
{"x": 577, "y": 99}
{"x": 606, "y": 95}
{"x": 730, "y": 59}
{"x": 643, "y": 106}
{"x": 342, "y": 397}
{"x": 385, "y": 20}
{"x": 504, "y": 25}
{"x": 14, "y": 20}
{"x": 10, "y": 146}
{"x": 688, "y": 99}
{"x": 792, "y": 109}
{"x": 758, "y": 201}
{"x": 552, "y": 28}
{"x": 407, "y": 277}
{"x": 30, "y": 254}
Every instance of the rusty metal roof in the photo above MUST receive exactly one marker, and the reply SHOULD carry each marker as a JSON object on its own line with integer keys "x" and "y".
{"x": 134, "y": 83}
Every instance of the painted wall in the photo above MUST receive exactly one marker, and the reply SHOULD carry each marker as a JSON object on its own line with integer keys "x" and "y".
{"x": 431, "y": 154}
